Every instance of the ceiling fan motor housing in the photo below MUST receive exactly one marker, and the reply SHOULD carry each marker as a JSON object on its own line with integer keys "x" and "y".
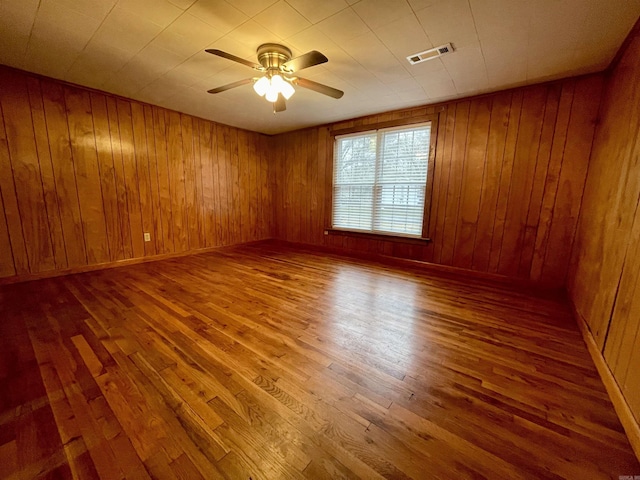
{"x": 272, "y": 55}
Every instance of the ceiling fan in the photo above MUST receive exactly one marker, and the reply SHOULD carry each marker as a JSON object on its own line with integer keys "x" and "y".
{"x": 276, "y": 85}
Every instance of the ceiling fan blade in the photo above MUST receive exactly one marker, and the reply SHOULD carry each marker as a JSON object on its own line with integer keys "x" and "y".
{"x": 229, "y": 56}
{"x": 307, "y": 60}
{"x": 279, "y": 105}
{"x": 229, "y": 86}
{"x": 318, "y": 87}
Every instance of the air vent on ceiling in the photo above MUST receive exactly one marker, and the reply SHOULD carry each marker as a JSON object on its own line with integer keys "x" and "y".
{"x": 429, "y": 54}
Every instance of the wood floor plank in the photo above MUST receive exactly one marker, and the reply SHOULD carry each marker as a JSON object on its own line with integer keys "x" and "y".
{"x": 263, "y": 361}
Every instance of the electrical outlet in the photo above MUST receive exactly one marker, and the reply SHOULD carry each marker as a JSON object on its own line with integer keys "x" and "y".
{"x": 147, "y": 237}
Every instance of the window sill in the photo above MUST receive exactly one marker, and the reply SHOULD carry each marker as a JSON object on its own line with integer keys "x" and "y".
{"x": 377, "y": 236}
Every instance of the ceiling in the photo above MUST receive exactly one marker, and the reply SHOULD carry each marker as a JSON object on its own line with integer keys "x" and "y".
{"x": 153, "y": 50}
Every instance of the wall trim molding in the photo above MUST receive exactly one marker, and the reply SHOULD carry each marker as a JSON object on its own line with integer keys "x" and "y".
{"x": 628, "y": 421}
{"x": 119, "y": 263}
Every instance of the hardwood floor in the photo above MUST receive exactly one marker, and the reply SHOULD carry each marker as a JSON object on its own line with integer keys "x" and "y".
{"x": 267, "y": 362}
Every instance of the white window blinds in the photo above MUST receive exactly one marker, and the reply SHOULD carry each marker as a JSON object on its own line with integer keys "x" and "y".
{"x": 380, "y": 179}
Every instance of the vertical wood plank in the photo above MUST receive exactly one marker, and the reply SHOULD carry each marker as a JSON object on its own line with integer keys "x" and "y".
{"x": 254, "y": 186}
{"x": 269, "y": 175}
{"x": 24, "y": 166}
{"x": 177, "y": 183}
{"x": 200, "y": 207}
{"x": 127, "y": 142}
{"x": 223, "y": 161}
{"x": 160, "y": 129}
{"x": 19, "y": 258}
{"x": 243, "y": 184}
{"x": 154, "y": 188}
{"x": 46, "y": 170}
{"x": 313, "y": 214}
{"x": 233, "y": 176}
{"x": 500, "y": 113}
{"x": 472, "y": 179}
{"x": 107, "y": 176}
{"x": 443, "y": 164}
{"x": 7, "y": 266}
{"x": 85, "y": 157}
{"x": 552, "y": 179}
{"x": 505, "y": 180}
{"x": 120, "y": 179}
{"x": 64, "y": 173}
{"x": 454, "y": 193}
{"x": 540, "y": 174}
{"x": 573, "y": 174}
{"x": 143, "y": 175}
{"x": 216, "y": 182}
{"x": 524, "y": 163}
{"x": 208, "y": 202}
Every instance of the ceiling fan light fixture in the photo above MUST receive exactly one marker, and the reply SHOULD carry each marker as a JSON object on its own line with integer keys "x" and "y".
{"x": 277, "y": 68}
{"x": 272, "y": 94}
{"x": 261, "y": 86}
{"x": 270, "y": 87}
{"x": 285, "y": 87}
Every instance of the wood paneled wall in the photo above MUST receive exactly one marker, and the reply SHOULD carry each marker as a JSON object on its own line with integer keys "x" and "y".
{"x": 508, "y": 183}
{"x": 84, "y": 174}
{"x": 604, "y": 280}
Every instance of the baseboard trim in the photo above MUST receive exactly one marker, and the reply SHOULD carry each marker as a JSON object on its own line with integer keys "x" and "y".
{"x": 628, "y": 421}
{"x": 119, "y": 263}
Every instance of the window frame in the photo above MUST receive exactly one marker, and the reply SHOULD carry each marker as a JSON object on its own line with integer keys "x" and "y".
{"x": 375, "y": 127}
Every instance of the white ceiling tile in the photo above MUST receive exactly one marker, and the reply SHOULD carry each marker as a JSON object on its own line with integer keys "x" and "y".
{"x": 389, "y": 70}
{"x": 158, "y": 91}
{"x": 200, "y": 65}
{"x": 343, "y": 26}
{"x": 233, "y": 73}
{"x": 251, "y": 34}
{"x": 490, "y": 15}
{"x": 282, "y": 20}
{"x": 366, "y": 49}
{"x": 18, "y": 15}
{"x": 161, "y": 12}
{"x": 221, "y": 15}
{"x": 186, "y": 36}
{"x": 449, "y": 21}
{"x": 152, "y": 61}
{"x": 500, "y": 72}
{"x": 430, "y": 66}
{"x": 315, "y": 11}
{"x": 314, "y": 39}
{"x": 440, "y": 90}
{"x": 124, "y": 31}
{"x": 13, "y": 51}
{"x": 17, "y": 18}
{"x": 183, "y": 4}
{"x": 49, "y": 58}
{"x": 377, "y": 13}
{"x": 252, "y": 7}
{"x": 436, "y": 76}
{"x": 420, "y": 4}
{"x": 404, "y": 85}
{"x": 92, "y": 8}
{"x": 94, "y": 61}
{"x": 404, "y": 36}
{"x": 467, "y": 69}
{"x": 58, "y": 24}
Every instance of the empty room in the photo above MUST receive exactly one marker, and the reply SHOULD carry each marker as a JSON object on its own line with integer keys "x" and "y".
{"x": 339, "y": 239}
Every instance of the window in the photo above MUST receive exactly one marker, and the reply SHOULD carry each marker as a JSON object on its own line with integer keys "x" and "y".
{"x": 380, "y": 180}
